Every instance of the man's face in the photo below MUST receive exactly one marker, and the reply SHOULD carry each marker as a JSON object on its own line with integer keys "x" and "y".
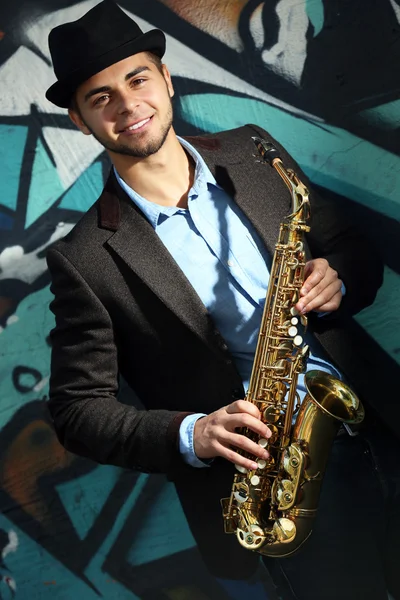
{"x": 127, "y": 107}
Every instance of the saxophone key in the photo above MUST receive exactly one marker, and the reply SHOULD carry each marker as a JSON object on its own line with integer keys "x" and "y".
{"x": 241, "y": 469}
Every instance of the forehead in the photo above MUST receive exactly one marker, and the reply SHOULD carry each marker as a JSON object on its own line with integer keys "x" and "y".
{"x": 116, "y": 72}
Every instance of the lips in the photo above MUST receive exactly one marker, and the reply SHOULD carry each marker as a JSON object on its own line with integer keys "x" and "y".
{"x": 136, "y": 126}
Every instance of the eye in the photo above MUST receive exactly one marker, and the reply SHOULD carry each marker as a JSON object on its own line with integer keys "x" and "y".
{"x": 101, "y": 100}
{"x": 138, "y": 81}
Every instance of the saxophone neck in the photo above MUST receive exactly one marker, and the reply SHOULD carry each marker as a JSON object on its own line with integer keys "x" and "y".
{"x": 300, "y": 211}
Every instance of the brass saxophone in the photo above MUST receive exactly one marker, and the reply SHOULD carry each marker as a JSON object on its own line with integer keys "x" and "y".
{"x": 271, "y": 509}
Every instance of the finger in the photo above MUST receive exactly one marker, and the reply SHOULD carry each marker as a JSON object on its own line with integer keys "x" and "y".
{"x": 317, "y": 269}
{"x": 324, "y": 297}
{"x": 243, "y": 420}
{"x": 330, "y": 277}
{"x": 237, "y": 459}
{"x": 243, "y": 406}
{"x": 244, "y": 443}
{"x": 332, "y": 305}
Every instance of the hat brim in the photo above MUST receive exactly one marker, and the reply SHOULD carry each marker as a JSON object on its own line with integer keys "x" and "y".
{"x": 61, "y": 92}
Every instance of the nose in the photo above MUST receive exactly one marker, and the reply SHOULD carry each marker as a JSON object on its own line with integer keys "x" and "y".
{"x": 126, "y": 102}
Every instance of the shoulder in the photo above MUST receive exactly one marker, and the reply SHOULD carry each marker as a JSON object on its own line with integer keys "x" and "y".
{"x": 214, "y": 141}
{"x": 232, "y": 147}
{"x": 89, "y": 231}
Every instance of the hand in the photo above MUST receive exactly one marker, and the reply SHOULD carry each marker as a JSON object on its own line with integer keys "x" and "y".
{"x": 322, "y": 288}
{"x": 214, "y": 435}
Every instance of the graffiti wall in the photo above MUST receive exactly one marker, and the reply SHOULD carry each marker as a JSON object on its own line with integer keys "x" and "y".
{"x": 320, "y": 76}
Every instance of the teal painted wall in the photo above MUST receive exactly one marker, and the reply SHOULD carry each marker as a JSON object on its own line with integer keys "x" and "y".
{"x": 319, "y": 77}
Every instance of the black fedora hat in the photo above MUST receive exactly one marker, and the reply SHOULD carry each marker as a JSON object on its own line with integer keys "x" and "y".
{"x": 102, "y": 37}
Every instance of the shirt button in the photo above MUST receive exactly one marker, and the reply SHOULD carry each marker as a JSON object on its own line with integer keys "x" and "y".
{"x": 230, "y": 263}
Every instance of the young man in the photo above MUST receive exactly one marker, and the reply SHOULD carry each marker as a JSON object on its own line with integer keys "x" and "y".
{"x": 163, "y": 281}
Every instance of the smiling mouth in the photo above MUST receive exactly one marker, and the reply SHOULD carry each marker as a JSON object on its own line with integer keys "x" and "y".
{"x": 137, "y": 125}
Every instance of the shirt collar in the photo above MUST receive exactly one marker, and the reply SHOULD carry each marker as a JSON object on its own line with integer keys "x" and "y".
{"x": 152, "y": 211}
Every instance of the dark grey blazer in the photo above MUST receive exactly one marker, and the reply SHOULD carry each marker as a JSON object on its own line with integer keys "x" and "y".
{"x": 122, "y": 305}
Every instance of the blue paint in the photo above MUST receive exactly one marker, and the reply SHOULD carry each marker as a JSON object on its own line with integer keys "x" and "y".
{"x": 332, "y": 157}
{"x": 12, "y": 146}
{"x": 45, "y": 186}
{"x": 85, "y": 190}
{"x": 24, "y": 343}
{"x": 382, "y": 319}
{"x": 163, "y": 532}
{"x": 85, "y": 496}
{"x": 386, "y": 116}
{"x": 6, "y": 222}
{"x": 315, "y": 12}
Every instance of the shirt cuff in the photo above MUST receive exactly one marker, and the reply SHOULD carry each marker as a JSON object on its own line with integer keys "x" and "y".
{"x": 343, "y": 290}
{"x": 186, "y": 441}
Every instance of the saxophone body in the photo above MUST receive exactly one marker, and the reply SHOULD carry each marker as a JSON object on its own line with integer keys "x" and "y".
{"x": 271, "y": 509}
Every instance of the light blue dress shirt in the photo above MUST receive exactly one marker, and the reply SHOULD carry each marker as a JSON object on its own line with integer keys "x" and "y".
{"x": 221, "y": 254}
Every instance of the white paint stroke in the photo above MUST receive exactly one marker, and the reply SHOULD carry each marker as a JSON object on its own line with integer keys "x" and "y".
{"x": 24, "y": 79}
{"x": 12, "y": 319}
{"x": 72, "y": 151}
{"x": 181, "y": 60}
{"x": 12, "y": 545}
{"x": 41, "y": 384}
{"x": 15, "y": 264}
{"x": 288, "y": 55}
{"x": 396, "y": 9}
{"x": 185, "y": 62}
{"x": 257, "y": 26}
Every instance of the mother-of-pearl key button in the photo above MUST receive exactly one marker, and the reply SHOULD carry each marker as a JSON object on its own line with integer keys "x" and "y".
{"x": 292, "y": 331}
{"x": 241, "y": 469}
{"x": 261, "y": 463}
{"x": 263, "y": 442}
{"x": 255, "y": 480}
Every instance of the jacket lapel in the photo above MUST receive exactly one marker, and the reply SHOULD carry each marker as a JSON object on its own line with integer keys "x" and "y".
{"x": 136, "y": 242}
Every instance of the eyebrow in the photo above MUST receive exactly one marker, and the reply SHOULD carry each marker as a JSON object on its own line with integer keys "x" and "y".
{"x": 107, "y": 88}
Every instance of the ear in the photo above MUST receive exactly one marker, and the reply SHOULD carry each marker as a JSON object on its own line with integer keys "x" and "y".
{"x": 168, "y": 80}
{"x": 77, "y": 120}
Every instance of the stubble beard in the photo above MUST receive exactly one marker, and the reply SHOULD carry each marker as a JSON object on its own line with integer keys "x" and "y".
{"x": 136, "y": 149}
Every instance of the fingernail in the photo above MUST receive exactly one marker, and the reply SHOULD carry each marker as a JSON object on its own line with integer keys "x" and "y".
{"x": 303, "y": 290}
{"x": 254, "y": 466}
{"x": 266, "y": 454}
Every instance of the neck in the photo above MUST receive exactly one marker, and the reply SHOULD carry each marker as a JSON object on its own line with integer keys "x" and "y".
{"x": 163, "y": 178}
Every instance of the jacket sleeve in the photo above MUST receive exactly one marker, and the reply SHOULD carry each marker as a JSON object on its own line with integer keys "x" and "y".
{"x": 334, "y": 237}
{"x": 88, "y": 418}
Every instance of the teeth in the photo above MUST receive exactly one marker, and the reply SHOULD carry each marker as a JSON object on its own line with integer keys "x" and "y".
{"x": 137, "y": 125}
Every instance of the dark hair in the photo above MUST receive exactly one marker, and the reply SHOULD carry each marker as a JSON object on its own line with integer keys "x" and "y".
{"x": 155, "y": 59}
